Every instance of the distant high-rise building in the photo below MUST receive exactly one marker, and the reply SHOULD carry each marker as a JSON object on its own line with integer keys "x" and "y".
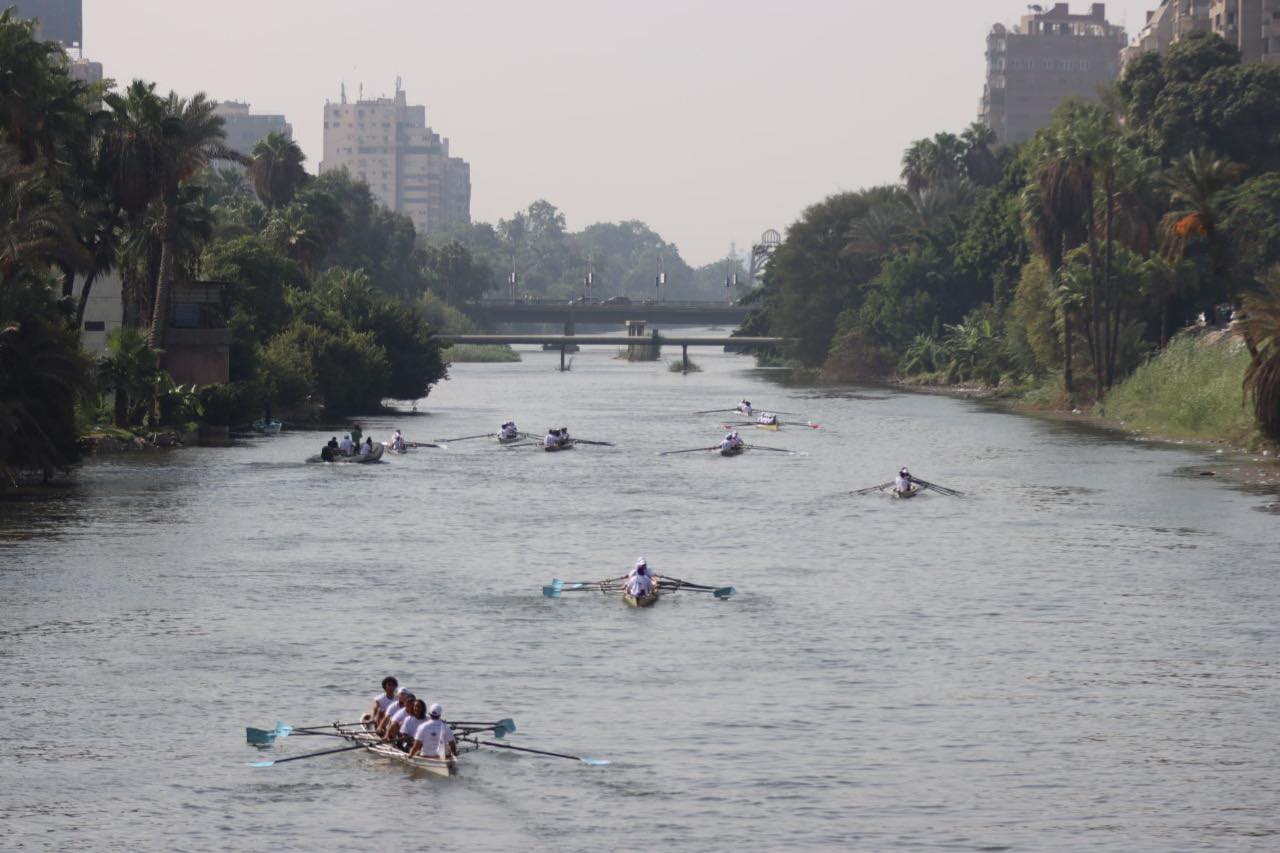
{"x": 1251, "y": 25}
{"x": 244, "y": 129}
{"x": 387, "y": 144}
{"x": 56, "y": 20}
{"x": 85, "y": 70}
{"x": 1168, "y": 25}
{"x": 1048, "y": 57}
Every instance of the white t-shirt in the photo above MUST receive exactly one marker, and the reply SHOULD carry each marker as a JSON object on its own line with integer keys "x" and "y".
{"x": 384, "y": 701}
{"x": 902, "y": 483}
{"x": 435, "y": 734}
{"x": 640, "y": 585}
{"x": 345, "y": 446}
{"x": 550, "y": 441}
{"x": 410, "y": 726}
{"x": 398, "y": 715}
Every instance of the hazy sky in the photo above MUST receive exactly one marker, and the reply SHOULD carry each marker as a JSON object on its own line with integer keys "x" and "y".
{"x": 710, "y": 120}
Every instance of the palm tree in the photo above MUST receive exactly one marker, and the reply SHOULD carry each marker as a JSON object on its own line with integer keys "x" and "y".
{"x": 979, "y": 158}
{"x": 275, "y": 165}
{"x": 1195, "y": 184}
{"x": 129, "y": 369}
{"x": 1261, "y": 330}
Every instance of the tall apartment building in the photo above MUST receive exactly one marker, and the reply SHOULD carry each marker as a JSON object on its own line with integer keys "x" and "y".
{"x": 387, "y": 143}
{"x": 1168, "y": 25}
{"x": 56, "y": 20}
{"x": 1047, "y": 57}
{"x": 244, "y": 128}
{"x": 1251, "y": 25}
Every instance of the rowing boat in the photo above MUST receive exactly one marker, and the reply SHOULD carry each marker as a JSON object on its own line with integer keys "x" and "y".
{"x": 732, "y": 451}
{"x": 369, "y": 739}
{"x": 268, "y": 427}
{"x": 512, "y": 440}
{"x": 641, "y": 600}
{"x": 359, "y": 459}
{"x": 551, "y": 448}
{"x": 909, "y": 493}
{"x": 770, "y": 427}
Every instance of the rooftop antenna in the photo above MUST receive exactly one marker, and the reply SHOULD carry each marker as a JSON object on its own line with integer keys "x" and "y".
{"x": 344, "y": 91}
{"x": 361, "y": 92}
{"x": 398, "y": 86}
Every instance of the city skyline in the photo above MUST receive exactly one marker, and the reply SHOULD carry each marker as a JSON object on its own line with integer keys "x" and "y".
{"x": 709, "y": 121}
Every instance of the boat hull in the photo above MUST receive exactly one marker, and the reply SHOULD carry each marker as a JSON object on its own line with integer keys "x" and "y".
{"x": 434, "y": 766}
{"x": 557, "y": 447}
{"x": 731, "y": 451}
{"x": 769, "y": 427}
{"x": 641, "y": 600}
{"x": 909, "y": 493}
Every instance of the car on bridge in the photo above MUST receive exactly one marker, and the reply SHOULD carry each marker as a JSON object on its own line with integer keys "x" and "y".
{"x": 617, "y": 300}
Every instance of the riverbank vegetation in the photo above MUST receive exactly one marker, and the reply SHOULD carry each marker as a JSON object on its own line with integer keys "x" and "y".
{"x": 318, "y": 282}
{"x": 1071, "y": 259}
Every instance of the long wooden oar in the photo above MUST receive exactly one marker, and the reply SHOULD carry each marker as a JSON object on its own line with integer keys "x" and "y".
{"x": 943, "y": 490}
{"x": 715, "y": 411}
{"x": 600, "y": 443}
{"x": 283, "y": 730}
{"x": 675, "y": 584}
{"x": 762, "y": 447}
{"x": 308, "y": 755}
{"x": 690, "y": 450}
{"x": 469, "y": 437}
{"x": 594, "y": 762}
{"x": 869, "y": 489}
{"x": 558, "y": 586}
{"x": 424, "y": 444}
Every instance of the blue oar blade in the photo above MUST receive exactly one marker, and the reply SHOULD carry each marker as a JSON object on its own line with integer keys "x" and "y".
{"x": 261, "y": 763}
{"x": 594, "y": 762}
{"x": 551, "y": 591}
{"x": 259, "y": 736}
{"x": 283, "y": 729}
{"x": 724, "y": 592}
{"x": 557, "y": 583}
{"x": 508, "y": 726}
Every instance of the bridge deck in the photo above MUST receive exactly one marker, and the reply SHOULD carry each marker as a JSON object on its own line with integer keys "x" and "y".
{"x": 611, "y": 340}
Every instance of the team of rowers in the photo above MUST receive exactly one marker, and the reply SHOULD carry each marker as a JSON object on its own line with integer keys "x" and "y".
{"x": 351, "y": 445}
{"x": 765, "y": 418}
{"x": 732, "y": 441}
{"x": 410, "y": 724}
{"x": 556, "y": 439}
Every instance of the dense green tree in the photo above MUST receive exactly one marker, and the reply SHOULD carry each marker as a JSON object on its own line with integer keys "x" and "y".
{"x": 275, "y": 167}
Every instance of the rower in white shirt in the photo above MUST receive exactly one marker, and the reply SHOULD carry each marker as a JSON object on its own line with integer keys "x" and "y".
{"x": 346, "y": 446}
{"x": 727, "y": 442}
{"x": 639, "y": 582}
{"x": 385, "y": 699}
{"x": 397, "y": 442}
{"x": 434, "y": 738}
{"x": 902, "y": 483}
{"x": 508, "y": 431}
{"x": 552, "y": 439}
{"x": 397, "y": 713}
{"x": 767, "y": 418}
{"x": 744, "y": 406}
{"x": 402, "y": 733}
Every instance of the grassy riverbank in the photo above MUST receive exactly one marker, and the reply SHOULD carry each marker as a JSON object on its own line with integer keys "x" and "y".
{"x": 481, "y": 353}
{"x": 1192, "y": 390}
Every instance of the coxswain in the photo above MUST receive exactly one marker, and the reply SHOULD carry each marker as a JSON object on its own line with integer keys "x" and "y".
{"x": 902, "y": 483}
{"x": 396, "y": 713}
{"x": 639, "y": 582}
{"x": 402, "y": 733}
{"x": 434, "y": 737}
{"x": 356, "y": 435}
{"x": 744, "y": 406}
{"x": 552, "y": 440}
{"x": 346, "y": 446}
{"x": 384, "y": 700}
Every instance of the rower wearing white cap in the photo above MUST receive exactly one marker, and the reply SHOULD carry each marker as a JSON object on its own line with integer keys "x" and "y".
{"x": 385, "y": 699}
{"x": 902, "y": 483}
{"x": 640, "y": 581}
{"x": 434, "y": 738}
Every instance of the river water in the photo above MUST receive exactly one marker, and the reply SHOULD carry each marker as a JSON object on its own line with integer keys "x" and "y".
{"x": 1081, "y": 654}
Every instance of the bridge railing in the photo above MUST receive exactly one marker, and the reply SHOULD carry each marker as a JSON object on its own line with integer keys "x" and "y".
{"x": 545, "y": 302}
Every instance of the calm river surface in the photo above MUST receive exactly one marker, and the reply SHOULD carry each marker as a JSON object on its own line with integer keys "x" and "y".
{"x": 1083, "y": 654}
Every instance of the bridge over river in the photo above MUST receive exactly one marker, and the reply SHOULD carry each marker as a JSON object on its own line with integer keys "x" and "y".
{"x": 493, "y": 311}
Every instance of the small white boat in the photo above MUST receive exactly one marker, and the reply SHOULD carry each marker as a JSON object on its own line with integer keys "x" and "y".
{"x": 268, "y": 427}
{"x": 376, "y": 745}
